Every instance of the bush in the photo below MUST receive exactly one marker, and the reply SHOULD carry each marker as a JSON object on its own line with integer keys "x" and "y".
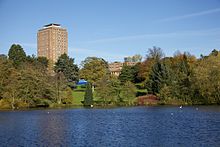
{"x": 40, "y": 102}
{"x": 140, "y": 93}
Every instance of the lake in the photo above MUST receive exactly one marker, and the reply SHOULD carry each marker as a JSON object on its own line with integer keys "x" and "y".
{"x": 130, "y": 126}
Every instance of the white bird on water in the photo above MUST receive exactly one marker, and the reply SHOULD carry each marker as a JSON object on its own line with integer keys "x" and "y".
{"x": 181, "y": 107}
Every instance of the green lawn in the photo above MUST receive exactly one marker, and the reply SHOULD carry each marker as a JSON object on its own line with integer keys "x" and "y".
{"x": 78, "y": 96}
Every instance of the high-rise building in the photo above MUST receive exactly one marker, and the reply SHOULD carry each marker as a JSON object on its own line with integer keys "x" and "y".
{"x": 52, "y": 42}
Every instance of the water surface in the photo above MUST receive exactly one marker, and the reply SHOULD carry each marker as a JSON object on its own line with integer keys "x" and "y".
{"x": 133, "y": 126}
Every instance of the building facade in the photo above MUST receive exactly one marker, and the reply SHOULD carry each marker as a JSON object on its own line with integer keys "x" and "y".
{"x": 116, "y": 67}
{"x": 52, "y": 41}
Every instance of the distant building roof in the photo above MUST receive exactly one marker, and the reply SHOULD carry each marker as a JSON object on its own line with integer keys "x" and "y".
{"x": 52, "y": 24}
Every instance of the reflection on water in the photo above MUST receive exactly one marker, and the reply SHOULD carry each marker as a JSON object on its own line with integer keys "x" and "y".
{"x": 135, "y": 126}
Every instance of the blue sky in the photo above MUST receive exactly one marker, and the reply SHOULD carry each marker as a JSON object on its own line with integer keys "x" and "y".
{"x": 113, "y": 29}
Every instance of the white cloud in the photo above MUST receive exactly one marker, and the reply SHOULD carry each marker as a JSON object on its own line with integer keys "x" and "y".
{"x": 106, "y": 54}
{"x": 159, "y": 35}
{"x": 190, "y": 15}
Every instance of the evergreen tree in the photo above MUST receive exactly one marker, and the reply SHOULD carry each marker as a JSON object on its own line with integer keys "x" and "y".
{"x": 157, "y": 78}
{"x": 66, "y": 65}
{"x": 126, "y": 74}
{"x": 108, "y": 90}
{"x": 16, "y": 54}
{"x": 43, "y": 61}
{"x": 88, "y": 97}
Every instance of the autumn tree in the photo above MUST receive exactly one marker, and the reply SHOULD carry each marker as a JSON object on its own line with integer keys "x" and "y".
{"x": 206, "y": 80}
{"x": 93, "y": 69}
{"x": 153, "y": 55}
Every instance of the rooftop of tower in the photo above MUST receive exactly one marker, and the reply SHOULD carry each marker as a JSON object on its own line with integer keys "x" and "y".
{"x": 52, "y": 24}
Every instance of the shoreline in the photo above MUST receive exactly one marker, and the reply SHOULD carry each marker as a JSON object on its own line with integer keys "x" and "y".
{"x": 101, "y": 107}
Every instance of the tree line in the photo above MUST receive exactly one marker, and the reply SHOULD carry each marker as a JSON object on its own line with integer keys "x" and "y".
{"x": 182, "y": 79}
{"x": 26, "y": 82}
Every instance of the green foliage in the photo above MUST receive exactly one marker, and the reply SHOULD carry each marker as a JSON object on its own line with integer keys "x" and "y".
{"x": 135, "y": 71}
{"x": 206, "y": 80}
{"x": 6, "y": 68}
{"x": 66, "y": 65}
{"x": 43, "y": 61}
{"x": 11, "y": 90}
{"x": 158, "y": 78}
{"x": 135, "y": 58}
{"x": 128, "y": 92}
{"x": 16, "y": 54}
{"x": 165, "y": 93}
{"x": 24, "y": 81}
{"x": 104, "y": 89}
{"x": 181, "y": 79}
{"x": 171, "y": 78}
{"x": 126, "y": 74}
{"x": 78, "y": 97}
{"x": 108, "y": 90}
{"x": 88, "y": 98}
{"x": 182, "y": 70}
{"x": 93, "y": 69}
{"x": 68, "y": 96}
{"x": 60, "y": 83}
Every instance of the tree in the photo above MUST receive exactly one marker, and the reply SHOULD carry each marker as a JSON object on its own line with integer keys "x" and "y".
{"x": 5, "y": 70}
{"x": 3, "y": 56}
{"x": 135, "y": 58}
{"x": 94, "y": 69}
{"x": 103, "y": 89}
{"x": 108, "y": 90}
{"x": 43, "y": 61}
{"x": 157, "y": 78}
{"x": 128, "y": 92}
{"x": 130, "y": 73}
{"x": 126, "y": 74}
{"x": 88, "y": 97}
{"x": 135, "y": 71}
{"x": 11, "y": 91}
{"x": 182, "y": 69}
{"x": 66, "y": 65}
{"x": 206, "y": 80}
{"x": 68, "y": 96}
{"x": 16, "y": 54}
{"x": 214, "y": 53}
{"x": 35, "y": 84}
{"x": 60, "y": 86}
{"x": 155, "y": 53}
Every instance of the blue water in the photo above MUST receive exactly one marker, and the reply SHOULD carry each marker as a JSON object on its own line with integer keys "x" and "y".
{"x": 133, "y": 126}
